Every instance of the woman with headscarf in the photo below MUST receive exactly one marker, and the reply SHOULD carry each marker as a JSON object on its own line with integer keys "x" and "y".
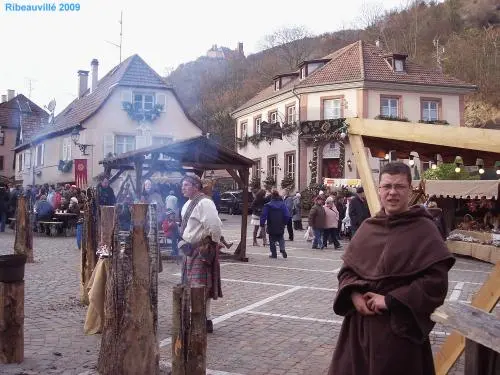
{"x": 257, "y": 207}
{"x": 297, "y": 213}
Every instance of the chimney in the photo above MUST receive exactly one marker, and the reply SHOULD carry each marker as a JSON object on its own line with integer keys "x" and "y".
{"x": 10, "y": 94}
{"x": 95, "y": 74}
{"x": 4, "y": 99}
{"x": 377, "y": 43}
{"x": 240, "y": 48}
{"x": 83, "y": 82}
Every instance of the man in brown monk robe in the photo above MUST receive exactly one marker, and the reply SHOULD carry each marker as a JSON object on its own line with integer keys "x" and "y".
{"x": 395, "y": 274}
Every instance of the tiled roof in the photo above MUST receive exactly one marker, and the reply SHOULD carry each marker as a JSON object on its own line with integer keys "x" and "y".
{"x": 33, "y": 116}
{"x": 358, "y": 62}
{"x": 362, "y": 61}
{"x": 133, "y": 71}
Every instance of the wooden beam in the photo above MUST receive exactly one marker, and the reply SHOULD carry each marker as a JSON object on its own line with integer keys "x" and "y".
{"x": 471, "y": 322}
{"x": 241, "y": 250}
{"x": 138, "y": 177}
{"x": 116, "y": 175}
{"x": 365, "y": 172}
{"x": 485, "y": 299}
{"x": 236, "y": 178}
{"x": 451, "y": 136}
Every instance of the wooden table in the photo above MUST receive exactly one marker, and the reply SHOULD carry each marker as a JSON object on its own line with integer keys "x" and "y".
{"x": 66, "y": 218}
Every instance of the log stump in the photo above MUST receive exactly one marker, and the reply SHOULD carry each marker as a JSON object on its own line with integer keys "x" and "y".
{"x": 129, "y": 342}
{"x": 12, "y": 322}
{"x": 23, "y": 243}
{"x": 189, "y": 331}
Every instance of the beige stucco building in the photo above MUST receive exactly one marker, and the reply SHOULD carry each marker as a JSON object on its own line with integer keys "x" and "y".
{"x": 104, "y": 125}
{"x": 20, "y": 118}
{"x": 359, "y": 80}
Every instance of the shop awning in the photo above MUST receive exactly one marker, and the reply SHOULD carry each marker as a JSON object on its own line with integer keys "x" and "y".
{"x": 474, "y": 189}
{"x": 340, "y": 182}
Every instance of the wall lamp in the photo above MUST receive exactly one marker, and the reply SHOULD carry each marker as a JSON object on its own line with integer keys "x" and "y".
{"x": 75, "y": 136}
{"x": 459, "y": 164}
{"x": 480, "y": 165}
{"x": 349, "y": 165}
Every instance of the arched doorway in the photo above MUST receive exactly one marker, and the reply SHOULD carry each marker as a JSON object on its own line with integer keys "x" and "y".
{"x": 331, "y": 164}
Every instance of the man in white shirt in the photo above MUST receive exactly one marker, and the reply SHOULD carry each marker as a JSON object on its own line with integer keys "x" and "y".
{"x": 171, "y": 202}
{"x": 201, "y": 230}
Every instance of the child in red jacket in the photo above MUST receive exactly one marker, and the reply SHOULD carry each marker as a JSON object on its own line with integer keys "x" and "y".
{"x": 171, "y": 230}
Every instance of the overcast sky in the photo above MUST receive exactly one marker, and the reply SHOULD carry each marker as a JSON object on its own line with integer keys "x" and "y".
{"x": 48, "y": 48}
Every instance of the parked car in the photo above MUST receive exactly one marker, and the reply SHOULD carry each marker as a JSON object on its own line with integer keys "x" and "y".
{"x": 231, "y": 202}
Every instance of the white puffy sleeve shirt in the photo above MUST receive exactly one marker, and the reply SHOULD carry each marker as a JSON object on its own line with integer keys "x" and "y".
{"x": 204, "y": 221}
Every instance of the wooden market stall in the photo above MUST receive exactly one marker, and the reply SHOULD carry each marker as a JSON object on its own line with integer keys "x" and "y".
{"x": 192, "y": 155}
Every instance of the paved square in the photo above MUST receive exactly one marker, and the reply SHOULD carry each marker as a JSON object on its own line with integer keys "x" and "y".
{"x": 276, "y": 316}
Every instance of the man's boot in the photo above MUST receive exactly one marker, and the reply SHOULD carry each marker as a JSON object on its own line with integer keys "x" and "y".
{"x": 210, "y": 326}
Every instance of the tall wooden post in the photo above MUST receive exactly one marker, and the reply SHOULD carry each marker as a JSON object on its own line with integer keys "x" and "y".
{"x": 129, "y": 341}
{"x": 12, "y": 322}
{"x": 89, "y": 244}
{"x": 189, "y": 331}
{"x": 242, "y": 255}
{"x": 197, "y": 350}
{"x": 365, "y": 172}
{"x": 23, "y": 243}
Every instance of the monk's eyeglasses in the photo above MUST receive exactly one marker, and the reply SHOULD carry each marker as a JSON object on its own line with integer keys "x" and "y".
{"x": 396, "y": 187}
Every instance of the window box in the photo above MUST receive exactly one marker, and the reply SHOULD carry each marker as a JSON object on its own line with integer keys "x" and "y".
{"x": 391, "y": 118}
{"x": 434, "y": 122}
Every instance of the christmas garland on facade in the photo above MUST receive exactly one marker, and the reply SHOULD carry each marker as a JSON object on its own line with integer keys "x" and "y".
{"x": 65, "y": 165}
{"x": 139, "y": 115}
{"x": 255, "y": 139}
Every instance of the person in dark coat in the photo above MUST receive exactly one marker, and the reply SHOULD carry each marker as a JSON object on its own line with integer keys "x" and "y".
{"x": 288, "y": 199}
{"x": 317, "y": 221}
{"x": 105, "y": 194}
{"x": 276, "y": 214}
{"x": 43, "y": 209}
{"x": 358, "y": 210}
{"x": 394, "y": 275}
{"x": 4, "y": 207}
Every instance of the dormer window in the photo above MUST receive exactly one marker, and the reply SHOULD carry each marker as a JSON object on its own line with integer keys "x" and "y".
{"x": 396, "y": 61}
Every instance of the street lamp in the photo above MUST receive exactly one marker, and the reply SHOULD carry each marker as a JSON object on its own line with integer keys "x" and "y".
{"x": 75, "y": 136}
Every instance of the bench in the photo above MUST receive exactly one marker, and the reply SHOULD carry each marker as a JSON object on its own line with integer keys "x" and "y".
{"x": 482, "y": 334}
{"x": 53, "y": 227}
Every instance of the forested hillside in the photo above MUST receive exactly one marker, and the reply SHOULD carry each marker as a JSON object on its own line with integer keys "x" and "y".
{"x": 461, "y": 36}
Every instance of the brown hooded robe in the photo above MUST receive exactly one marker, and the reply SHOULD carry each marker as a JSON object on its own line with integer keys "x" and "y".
{"x": 404, "y": 258}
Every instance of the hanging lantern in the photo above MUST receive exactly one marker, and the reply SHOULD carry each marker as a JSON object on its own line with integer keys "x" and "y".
{"x": 480, "y": 165}
{"x": 497, "y": 166}
{"x": 459, "y": 163}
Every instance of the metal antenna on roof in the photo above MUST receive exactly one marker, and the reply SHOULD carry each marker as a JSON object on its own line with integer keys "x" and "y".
{"x": 121, "y": 36}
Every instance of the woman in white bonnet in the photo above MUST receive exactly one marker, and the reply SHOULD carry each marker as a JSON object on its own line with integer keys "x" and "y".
{"x": 297, "y": 213}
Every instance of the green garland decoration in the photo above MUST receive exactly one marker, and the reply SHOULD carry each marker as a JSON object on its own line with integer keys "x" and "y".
{"x": 256, "y": 139}
{"x": 391, "y": 118}
{"x": 434, "y": 122}
{"x": 65, "y": 166}
{"x": 140, "y": 114}
{"x": 269, "y": 182}
{"x": 255, "y": 183}
{"x": 288, "y": 182}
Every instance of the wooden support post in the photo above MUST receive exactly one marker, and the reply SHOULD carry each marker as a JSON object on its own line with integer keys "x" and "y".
{"x": 485, "y": 299}
{"x": 12, "y": 322}
{"x": 129, "y": 341}
{"x": 241, "y": 250}
{"x": 179, "y": 339}
{"x": 365, "y": 172}
{"x": 189, "y": 331}
{"x": 197, "y": 350}
{"x": 480, "y": 360}
{"x": 138, "y": 177}
{"x": 23, "y": 243}
{"x": 89, "y": 244}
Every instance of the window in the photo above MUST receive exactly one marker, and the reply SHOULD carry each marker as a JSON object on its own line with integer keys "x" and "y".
{"x": 389, "y": 107}
{"x": 256, "y": 125}
{"x": 277, "y": 84}
{"x": 20, "y": 164}
{"x": 399, "y": 65}
{"x": 27, "y": 159}
{"x": 303, "y": 72}
{"x": 272, "y": 166}
{"x": 256, "y": 168}
{"x": 290, "y": 164}
{"x": 332, "y": 108}
{"x": 144, "y": 101}
{"x": 1, "y": 162}
{"x": 2, "y": 138}
{"x": 243, "y": 129}
{"x": 430, "y": 110}
{"x": 124, "y": 143}
{"x": 158, "y": 141}
{"x": 66, "y": 151}
{"x": 290, "y": 114}
{"x": 39, "y": 154}
{"x": 273, "y": 117}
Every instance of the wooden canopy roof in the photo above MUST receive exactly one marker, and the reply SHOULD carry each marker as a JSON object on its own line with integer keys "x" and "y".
{"x": 199, "y": 153}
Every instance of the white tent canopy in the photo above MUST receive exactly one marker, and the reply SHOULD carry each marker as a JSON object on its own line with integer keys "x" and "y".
{"x": 474, "y": 189}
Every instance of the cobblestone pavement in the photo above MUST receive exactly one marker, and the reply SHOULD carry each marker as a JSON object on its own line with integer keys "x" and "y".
{"x": 275, "y": 318}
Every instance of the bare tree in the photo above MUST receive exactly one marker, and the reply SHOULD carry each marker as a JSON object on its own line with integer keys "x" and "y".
{"x": 292, "y": 44}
